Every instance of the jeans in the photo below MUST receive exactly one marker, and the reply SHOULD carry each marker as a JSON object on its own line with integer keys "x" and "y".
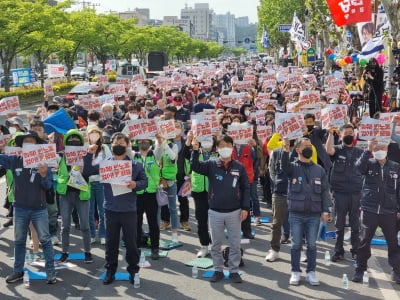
{"x": 303, "y": 225}
{"x": 67, "y": 204}
{"x": 266, "y": 183}
{"x": 279, "y": 216}
{"x": 115, "y": 221}
{"x": 201, "y": 213}
{"x": 97, "y": 197}
{"x": 39, "y": 219}
{"x": 183, "y": 206}
{"x": 147, "y": 203}
{"x": 347, "y": 203}
{"x": 218, "y": 223}
{"x": 255, "y": 203}
{"x": 172, "y": 191}
{"x": 52, "y": 210}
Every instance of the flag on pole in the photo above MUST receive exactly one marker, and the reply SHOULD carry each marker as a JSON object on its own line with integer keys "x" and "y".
{"x": 297, "y": 34}
{"x": 265, "y": 38}
{"x": 372, "y": 48}
{"x": 348, "y": 12}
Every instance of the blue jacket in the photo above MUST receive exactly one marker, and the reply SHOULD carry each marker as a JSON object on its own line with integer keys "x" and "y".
{"x": 121, "y": 203}
{"x": 278, "y": 177}
{"x": 308, "y": 191}
{"x": 229, "y": 189}
{"x": 29, "y": 187}
{"x": 380, "y": 192}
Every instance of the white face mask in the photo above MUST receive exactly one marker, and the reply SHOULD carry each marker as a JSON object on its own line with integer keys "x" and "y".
{"x": 76, "y": 102}
{"x": 206, "y": 144}
{"x": 235, "y": 124}
{"x": 12, "y": 130}
{"x": 121, "y": 102}
{"x": 253, "y": 115}
{"x": 246, "y": 113}
{"x": 178, "y": 107}
{"x": 133, "y": 116}
{"x": 379, "y": 155}
{"x": 225, "y": 152}
{"x": 173, "y": 94}
{"x": 91, "y": 123}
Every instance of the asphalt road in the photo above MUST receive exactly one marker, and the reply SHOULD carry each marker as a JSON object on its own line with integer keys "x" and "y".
{"x": 169, "y": 278}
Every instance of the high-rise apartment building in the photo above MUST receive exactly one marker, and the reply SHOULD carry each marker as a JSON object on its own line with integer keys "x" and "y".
{"x": 201, "y": 19}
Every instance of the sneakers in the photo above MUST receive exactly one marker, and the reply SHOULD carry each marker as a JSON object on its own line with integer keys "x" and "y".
{"x": 93, "y": 240}
{"x": 185, "y": 226}
{"x": 8, "y": 223}
{"x": 358, "y": 276}
{"x": 55, "y": 241}
{"x": 109, "y": 278}
{"x": 396, "y": 277}
{"x": 102, "y": 241}
{"x": 272, "y": 255}
{"x": 257, "y": 221}
{"x": 88, "y": 258}
{"x": 51, "y": 277}
{"x": 303, "y": 256}
{"x": 294, "y": 278}
{"x": 15, "y": 277}
{"x": 235, "y": 277}
{"x": 337, "y": 256}
{"x": 155, "y": 254}
{"x": 285, "y": 239}
{"x": 165, "y": 225}
{"x": 203, "y": 252}
{"x": 175, "y": 237}
{"x": 218, "y": 276}
{"x": 312, "y": 278}
{"x": 64, "y": 257}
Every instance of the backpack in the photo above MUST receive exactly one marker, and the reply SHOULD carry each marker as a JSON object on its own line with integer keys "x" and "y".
{"x": 225, "y": 256}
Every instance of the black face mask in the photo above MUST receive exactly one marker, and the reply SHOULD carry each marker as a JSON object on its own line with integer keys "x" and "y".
{"x": 144, "y": 146}
{"x": 310, "y": 128}
{"x": 291, "y": 143}
{"x": 74, "y": 143}
{"x": 348, "y": 139}
{"x": 119, "y": 150}
{"x": 225, "y": 126}
{"x": 307, "y": 152}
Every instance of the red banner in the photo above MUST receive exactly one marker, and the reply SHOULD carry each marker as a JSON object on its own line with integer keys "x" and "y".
{"x": 346, "y": 12}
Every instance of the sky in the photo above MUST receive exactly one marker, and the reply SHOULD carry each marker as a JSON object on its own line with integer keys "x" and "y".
{"x": 160, "y": 8}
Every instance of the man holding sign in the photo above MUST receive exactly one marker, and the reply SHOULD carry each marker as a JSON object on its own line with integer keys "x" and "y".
{"x": 30, "y": 185}
{"x": 119, "y": 204}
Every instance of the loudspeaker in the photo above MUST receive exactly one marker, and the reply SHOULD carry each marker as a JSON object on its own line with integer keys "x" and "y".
{"x": 157, "y": 60}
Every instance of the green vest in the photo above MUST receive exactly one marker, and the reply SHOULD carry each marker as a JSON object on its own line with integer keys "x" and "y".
{"x": 152, "y": 171}
{"x": 62, "y": 180}
{"x": 169, "y": 167}
{"x": 199, "y": 182}
{"x": 10, "y": 186}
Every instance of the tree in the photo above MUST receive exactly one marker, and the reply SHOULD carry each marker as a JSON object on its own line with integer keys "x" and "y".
{"x": 392, "y": 9}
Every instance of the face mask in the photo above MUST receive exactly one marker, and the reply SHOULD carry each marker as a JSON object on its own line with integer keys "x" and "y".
{"x": 246, "y": 113}
{"x": 225, "y": 152}
{"x": 173, "y": 94}
{"x": 253, "y": 115}
{"x": 235, "y": 124}
{"x": 144, "y": 146}
{"x": 307, "y": 153}
{"x": 178, "y": 107}
{"x": 348, "y": 139}
{"x": 120, "y": 103}
{"x": 310, "y": 128}
{"x": 94, "y": 137}
{"x": 12, "y": 130}
{"x": 91, "y": 123}
{"x": 206, "y": 144}
{"x": 76, "y": 102}
{"x": 119, "y": 150}
{"x": 108, "y": 115}
{"x": 178, "y": 132}
{"x": 133, "y": 116}
{"x": 74, "y": 143}
{"x": 379, "y": 155}
{"x": 225, "y": 125}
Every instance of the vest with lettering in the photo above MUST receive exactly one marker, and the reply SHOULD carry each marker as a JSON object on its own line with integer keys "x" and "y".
{"x": 152, "y": 170}
{"x": 246, "y": 160}
{"x": 169, "y": 167}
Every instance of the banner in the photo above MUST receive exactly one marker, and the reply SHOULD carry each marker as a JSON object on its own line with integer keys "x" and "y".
{"x": 36, "y": 154}
{"x": 74, "y": 155}
{"x": 334, "y": 115}
{"x": 55, "y": 71}
{"x": 241, "y": 134}
{"x": 141, "y": 129}
{"x": 297, "y": 34}
{"x": 166, "y": 129}
{"x": 346, "y": 12}
{"x": 9, "y": 104}
{"x": 289, "y": 125}
{"x": 201, "y": 128}
{"x": 115, "y": 171}
{"x": 263, "y": 132}
{"x": 371, "y": 128}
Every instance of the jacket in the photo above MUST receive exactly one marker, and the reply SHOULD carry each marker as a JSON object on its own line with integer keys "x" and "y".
{"x": 278, "y": 177}
{"x": 246, "y": 157}
{"x": 308, "y": 190}
{"x": 120, "y": 203}
{"x": 380, "y": 191}
{"x": 152, "y": 170}
{"x": 345, "y": 177}
{"x": 29, "y": 187}
{"x": 229, "y": 188}
{"x": 317, "y": 140}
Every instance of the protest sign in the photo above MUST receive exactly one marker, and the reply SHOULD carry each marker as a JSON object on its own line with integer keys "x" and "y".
{"x": 102, "y": 79}
{"x": 48, "y": 90}
{"x": 215, "y": 126}
{"x": 263, "y": 132}
{"x": 9, "y": 104}
{"x": 36, "y": 154}
{"x": 166, "y": 129}
{"x": 74, "y": 155}
{"x": 289, "y": 125}
{"x": 117, "y": 89}
{"x": 315, "y": 110}
{"x": 90, "y": 103}
{"x": 241, "y": 134}
{"x": 332, "y": 93}
{"x": 334, "y": 115}
{"x": 308, "y": 98}
{"x": 4, "y": 139}
{"x": 108, "y": 98}
{"x": 141, "y": 129}
{"x": 201, "y": 128}
{"x": 115, "y": 171}
{"x": 372, "y": 128}
{"x": 8, "y": 150}
{"x": 387, "y": 117}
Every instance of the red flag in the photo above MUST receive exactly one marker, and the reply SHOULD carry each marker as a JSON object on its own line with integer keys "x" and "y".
{"x": 347, "y": 12}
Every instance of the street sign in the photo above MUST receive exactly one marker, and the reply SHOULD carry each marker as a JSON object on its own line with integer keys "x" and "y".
{"x": 284, "y": 28}
{"x": 349, "y": 35}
